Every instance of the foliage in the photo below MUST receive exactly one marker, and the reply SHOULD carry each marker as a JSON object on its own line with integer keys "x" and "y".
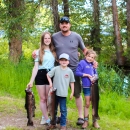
{"x": 37, "y": 17}
{"x": 111, "y": 79}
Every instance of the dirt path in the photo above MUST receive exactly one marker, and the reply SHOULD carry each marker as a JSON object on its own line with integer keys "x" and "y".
{"x": 19, "y": 121}
{"x": 13, "y": 116}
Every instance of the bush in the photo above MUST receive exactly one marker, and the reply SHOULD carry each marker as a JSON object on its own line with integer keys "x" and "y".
{"x": 110, "y": 79}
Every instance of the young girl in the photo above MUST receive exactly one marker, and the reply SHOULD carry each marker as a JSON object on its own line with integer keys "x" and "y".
{"x": 44, "y": 62}
{"x": 87, "y": 72}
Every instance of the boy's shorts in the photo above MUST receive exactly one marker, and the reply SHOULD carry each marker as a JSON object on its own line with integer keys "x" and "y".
{"x": 77, "y": 87}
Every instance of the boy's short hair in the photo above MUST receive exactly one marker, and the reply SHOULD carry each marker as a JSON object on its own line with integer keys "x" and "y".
{"x": 64, "y": 56}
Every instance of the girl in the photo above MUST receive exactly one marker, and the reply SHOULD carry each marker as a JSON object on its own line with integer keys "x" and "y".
{"x": 88, "y": 74}
{"x": 44, "y": 62}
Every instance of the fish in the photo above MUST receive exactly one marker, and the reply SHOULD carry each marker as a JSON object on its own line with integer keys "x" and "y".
{"x": 51, "y": 104}
{"x": 95, "y": 98}
{"x": 30, "y": 106}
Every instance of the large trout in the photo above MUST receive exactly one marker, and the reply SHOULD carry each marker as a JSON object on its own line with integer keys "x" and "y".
{"x": 51, "y": 104}
{"x": 95, "y": 98}
{"x": 30, "y": 106}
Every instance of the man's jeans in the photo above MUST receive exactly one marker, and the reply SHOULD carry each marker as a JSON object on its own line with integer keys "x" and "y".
{"x": 61, "y": 101}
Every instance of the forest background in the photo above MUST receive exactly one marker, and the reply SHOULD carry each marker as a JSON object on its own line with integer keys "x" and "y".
{"x": 104, "y": 26}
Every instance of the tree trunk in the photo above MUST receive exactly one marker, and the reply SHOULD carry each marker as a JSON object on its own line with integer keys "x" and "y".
{"x": 54, "y": 4}
{"x": 128, "y": 31}
{"x": 95, "y": 32}
{"x": 15, "y": 8}
{"x": 66, "y": 8}
{"x": 118, "y": 41}
{"x": 15, "y": 49}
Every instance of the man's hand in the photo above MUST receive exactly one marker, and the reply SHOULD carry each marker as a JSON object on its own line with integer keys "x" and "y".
{"x": 78, "y": 54}
{"x": 95, "y": 64}
{"x": 34, "y": 54}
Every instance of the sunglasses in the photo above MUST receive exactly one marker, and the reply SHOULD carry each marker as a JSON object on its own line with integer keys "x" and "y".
{"x": 64, "y": 19}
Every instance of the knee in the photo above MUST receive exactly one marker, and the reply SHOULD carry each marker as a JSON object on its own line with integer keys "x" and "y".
{"x": 63, "y": 112}
{"x": 87, "y": 105}
{"x": 43, "y": 100}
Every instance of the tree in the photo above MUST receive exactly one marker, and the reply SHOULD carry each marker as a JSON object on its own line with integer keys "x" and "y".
{"x": 118, "y": 41}
{"x": 54, "y": 4}
{"x": 66, "y": 8}
{"x": 128, "y": 29}
{"x": 14, "y": 14}
{"x": 95, "y": 32}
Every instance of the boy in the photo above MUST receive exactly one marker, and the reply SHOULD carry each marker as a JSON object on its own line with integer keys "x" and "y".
{"x": 62, "y": 78}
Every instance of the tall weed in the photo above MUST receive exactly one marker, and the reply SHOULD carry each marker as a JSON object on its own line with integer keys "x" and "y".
{"x": 110, "y": 79}
{"x": 114, "y": 105}
{"x": 14, "y": 78}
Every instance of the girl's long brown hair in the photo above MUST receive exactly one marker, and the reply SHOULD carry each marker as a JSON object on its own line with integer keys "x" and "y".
{"x": 42, "y": 48}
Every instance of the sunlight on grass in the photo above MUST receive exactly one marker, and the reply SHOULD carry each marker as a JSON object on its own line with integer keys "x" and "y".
{"x": 13, "y": 128}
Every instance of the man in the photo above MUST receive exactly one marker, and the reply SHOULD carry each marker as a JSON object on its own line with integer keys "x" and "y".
{"x": 67, "y": 41}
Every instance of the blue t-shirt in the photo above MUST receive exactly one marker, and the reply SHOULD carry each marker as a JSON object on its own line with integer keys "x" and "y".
{"x": 85, "y": 67}
{"x": 48, "y": 60}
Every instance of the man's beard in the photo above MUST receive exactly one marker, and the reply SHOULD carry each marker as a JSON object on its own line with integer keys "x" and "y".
{"x": 64, "y": 31}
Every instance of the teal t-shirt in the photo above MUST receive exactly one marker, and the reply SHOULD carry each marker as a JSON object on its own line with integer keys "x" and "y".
{"x": 48, "y": 60}
{"x": 61, "y": 80}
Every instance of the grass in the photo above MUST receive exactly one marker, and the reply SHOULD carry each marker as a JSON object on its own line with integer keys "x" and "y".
{"x": 114, "y": 110}
{"x": 10, "y": 105}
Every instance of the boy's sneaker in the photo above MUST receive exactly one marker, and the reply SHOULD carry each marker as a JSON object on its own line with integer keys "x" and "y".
{"x": 57, "y": 120}
{"x": 43, "y": 121}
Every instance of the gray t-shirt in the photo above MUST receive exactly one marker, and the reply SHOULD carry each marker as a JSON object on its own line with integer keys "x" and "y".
{"x": 68, "y": 44}
{"x": 61, "y": 80}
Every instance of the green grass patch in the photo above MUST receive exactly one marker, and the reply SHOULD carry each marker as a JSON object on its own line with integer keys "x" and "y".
{"x": 113, "y": 106}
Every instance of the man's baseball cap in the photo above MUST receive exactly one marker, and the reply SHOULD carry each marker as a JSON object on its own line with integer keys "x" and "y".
{"x": 64, "y": 19}
{"x": 64, "y": 56}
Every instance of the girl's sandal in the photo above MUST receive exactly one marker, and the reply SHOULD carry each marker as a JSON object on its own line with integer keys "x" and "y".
{"x": 85, "y": 125}
{"x": 96, "y": 125}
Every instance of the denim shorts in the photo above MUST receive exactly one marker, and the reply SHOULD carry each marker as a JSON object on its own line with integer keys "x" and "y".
{"x": 86, "y": 91}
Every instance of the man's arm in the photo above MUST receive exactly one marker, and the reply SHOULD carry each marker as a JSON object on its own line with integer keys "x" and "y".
{"x": 85, "y": 51}
{"x": 72, "y": 90}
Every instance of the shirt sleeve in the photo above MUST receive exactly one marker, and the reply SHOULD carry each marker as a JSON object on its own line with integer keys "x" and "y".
{"x": 81, "y": 43}
{"x": 78, "y": 71}
{"x": 95, "y": 72}
{"x": 52, "y": 72}
{"x": 72, "y": 79}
